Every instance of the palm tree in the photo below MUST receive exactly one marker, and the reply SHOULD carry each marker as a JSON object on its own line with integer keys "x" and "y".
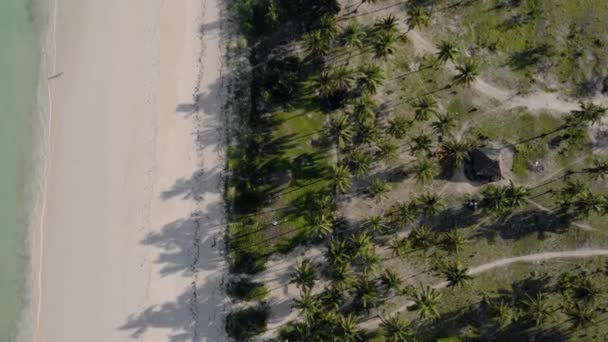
{"x": 581, "y": 315}
{"x": 324, "y": 85}
{"x": 362, "y": 244}
{"x": 571, "y": 190}
{"x": 424, "y": 107}
{"x": 369, "y": 132}
{"x": 398, "y": 127}
{"x": 384, "y": 44}
{"x": 365, "y": 109}
{"x": 447, "y": 52}
{"x": 425, "y": 171}
{"x": 422, "y": 237}
{"x": 599, "y": 170}
{"x": 495, "y": 198}
{"x": 589, "y": 113}
{"x": 445, "y": 124}
{"x": 395, "y": 329}
{"x": 359, "y": 162}
{"x": 588, "y": 202}
{"x": 375, "y": 224}
{"x": 537, "y": 309}
{"x": 343, "y": 78}
{"x": 456, "y": 275}
{"x": 430, "y": 204}
{"x": 328, "y": 26}
{"x": 505, "y": 314}
{"x": 404, "y": 213}
{"x": 455, "y": 152}
{"x": 320, "y": 225}
{"x": 332, "y": 298}
{"x": 353, "y": 35}
{"x": 337, "y": 252}
{"x": 399, "y": 246}
{"x": 340, "y": 177}
{"x": 422, "y": 143}
{"x": 418, "y": 17}
{"x": 316, "y": 44}
{"x": 378, "y": 189}
{"x": 391, "y": 280}
{"x": 453, "y": 241}
{"x": 304, "y": 276}
{"x": 366, "y": 293}
{"x": 387, "y": 24}
{"x": 427, "y": 300}
{"x": 343, "y": 277}
{"x": 387, "y": 150}
{"x": 308, "y": 304}
{"x": 341, "y": 129}
{"x": 517, "y": 195}
{"x": 347, "y": 329}
{"x": 371, "y": 78}
{"x": 467, "y": 73}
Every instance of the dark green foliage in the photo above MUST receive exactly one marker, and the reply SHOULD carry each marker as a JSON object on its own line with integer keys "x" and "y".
{"x": 244, "y": 324}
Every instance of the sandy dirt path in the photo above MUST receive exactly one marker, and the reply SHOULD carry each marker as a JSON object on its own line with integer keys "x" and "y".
{"x": 579, "y": 253}
{"x": 131, "y": 230}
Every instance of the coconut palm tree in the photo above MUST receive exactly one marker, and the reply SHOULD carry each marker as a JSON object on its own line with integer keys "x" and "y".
{"x": 537, "y": 309}
{"x": 588, "y": 202}
{"x": 447, "y": 51}
{"x": 359, "y": 162}
{"x": 304, "y": 275}
{"x": 426, "y": 301}
{"x": 365, "y": 109}
{"x": 581, "y": 315}
{"x": 589, "y": 113}
{"x": 424, "y": 107}
{"x": 328, "y": 26}
{"x": 422, "y": 237}
{"x": 337, "y": 252}
{"x": 379, "y": 189}
{"x": 391, "y": 280}
{"x": 456, "y": 275}
{"x": 430, "y": 204}
{"x": 387, "y": 24}
{"x": 371, "y": 77}
{"x": 425, "y": 171}
{"x": 343, "y": 277}
{"x": 341, "y": 130}
{"x": 384, "y": 44}
{"x": 375, "y": 224}
{"x": 324, "y": 85}
{"x": 455, "y": 152}
{"x": 467, "y": 73}
{"x": 320, "y": 224}
{"x": 445, "y": 124}
{"x": 418, "y": 17}
{"x": 395, "y": 329}
{"x": 422, "y": 143}
{"x": 343, "y": 78}
{"x": 316, "y": 44}
{"x": 387, "y": 150}
{"x": 308, "y": 304}
{"x": 369, "y": 133}
{"x": 398, "y": 127}
{"x": 517, "y": 195}
{"x": 332, "y": 298}
{"x": 353, "y": 35}
{"x": 599, "y": 171}
{"x": 495, "y": 198}
{"x": 571, "y": 190}
{"x": 362, "y": 244}
{"x": 366, "y": 293}
{"x": 453, "y": 241}
{"x": 399, "y": 246}
{"x": 340, "y": 177}
{"x": 348, "y": 329}
{"x": 404, "y": 213}
{"x": 505, "y": 314}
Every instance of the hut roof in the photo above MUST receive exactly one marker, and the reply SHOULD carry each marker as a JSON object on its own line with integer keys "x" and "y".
{"x": 486, "y": 162}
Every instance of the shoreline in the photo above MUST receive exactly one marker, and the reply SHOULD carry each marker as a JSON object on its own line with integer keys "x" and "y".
{"x": 122, "y": 272}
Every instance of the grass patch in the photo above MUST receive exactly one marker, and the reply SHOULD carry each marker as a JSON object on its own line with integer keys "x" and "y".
{"x": 247, "y": 290}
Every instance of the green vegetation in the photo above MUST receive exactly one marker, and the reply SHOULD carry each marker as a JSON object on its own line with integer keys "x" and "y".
{"x": 371, "y": 138}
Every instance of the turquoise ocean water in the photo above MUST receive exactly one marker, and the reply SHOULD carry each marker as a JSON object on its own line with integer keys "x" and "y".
{"x": 20, "y": 39}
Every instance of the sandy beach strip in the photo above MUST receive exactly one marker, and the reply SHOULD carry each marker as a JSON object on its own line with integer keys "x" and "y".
{"x": 129, "y": 245}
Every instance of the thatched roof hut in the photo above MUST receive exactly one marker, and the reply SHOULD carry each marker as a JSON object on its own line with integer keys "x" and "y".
{"x": 484, "y": 164}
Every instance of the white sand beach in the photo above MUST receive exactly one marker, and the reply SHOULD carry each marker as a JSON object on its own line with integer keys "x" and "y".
{"x": 129, "y": 246}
